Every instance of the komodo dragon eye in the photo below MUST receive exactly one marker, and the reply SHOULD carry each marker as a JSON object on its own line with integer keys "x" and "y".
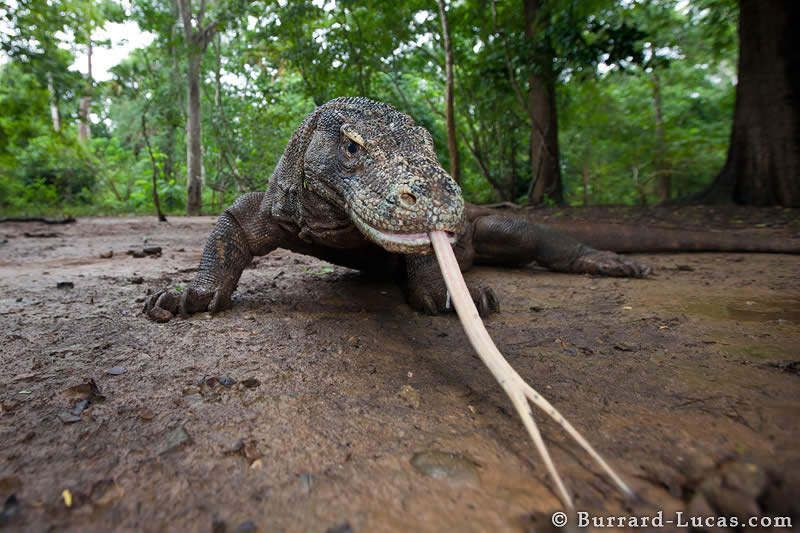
{"x": 353, "y": 147}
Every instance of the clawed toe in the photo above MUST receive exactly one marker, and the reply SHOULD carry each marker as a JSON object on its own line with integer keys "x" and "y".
{"x": 610, "y": 264}
{"x": 429, "y": 305}
{"x": 437, "y": 302}
{"x": 161, "y": 306}
{"x": 486, "y": 301}
{"x": 165, "y": 304}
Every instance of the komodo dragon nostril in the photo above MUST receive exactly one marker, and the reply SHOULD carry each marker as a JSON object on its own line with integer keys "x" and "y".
{"x": 408, "y": 199}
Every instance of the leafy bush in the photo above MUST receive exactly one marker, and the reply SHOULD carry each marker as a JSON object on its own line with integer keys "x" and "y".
{"x": 49, "y": 164}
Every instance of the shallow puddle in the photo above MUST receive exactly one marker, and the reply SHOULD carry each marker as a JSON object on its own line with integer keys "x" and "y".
{"x": 751, "y": 310}
{"x": 774, "y": 352}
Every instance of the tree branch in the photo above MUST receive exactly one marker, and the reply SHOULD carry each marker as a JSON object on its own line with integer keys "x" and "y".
{"x": 161, "y": 217}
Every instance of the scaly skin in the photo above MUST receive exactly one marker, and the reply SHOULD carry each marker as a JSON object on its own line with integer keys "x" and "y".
{"x": 360, "y": 185}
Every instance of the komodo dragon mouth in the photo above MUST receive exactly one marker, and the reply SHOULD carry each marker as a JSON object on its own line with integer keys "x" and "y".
{"x": 396, "y": 242}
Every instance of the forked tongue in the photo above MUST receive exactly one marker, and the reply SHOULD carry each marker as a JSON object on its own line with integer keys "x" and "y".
{"x": 516, "y": 388}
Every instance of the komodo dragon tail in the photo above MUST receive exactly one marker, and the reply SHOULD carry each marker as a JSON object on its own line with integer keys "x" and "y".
{"x": 627, "y": 238}
{"x": 624, "y": 238}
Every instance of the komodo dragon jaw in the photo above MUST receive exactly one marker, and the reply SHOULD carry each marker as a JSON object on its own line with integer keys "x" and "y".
{"x": 384, "y": 173}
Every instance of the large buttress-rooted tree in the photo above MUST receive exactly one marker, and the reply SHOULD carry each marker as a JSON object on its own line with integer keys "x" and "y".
{"x": 763, "y": 165}
{"x": 197, "y": 36}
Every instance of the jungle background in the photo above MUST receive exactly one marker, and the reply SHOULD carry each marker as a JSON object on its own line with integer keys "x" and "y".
{"x": 529, "y": 101}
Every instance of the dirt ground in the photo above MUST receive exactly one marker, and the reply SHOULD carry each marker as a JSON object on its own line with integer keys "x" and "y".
{"x": 321, "y": 402}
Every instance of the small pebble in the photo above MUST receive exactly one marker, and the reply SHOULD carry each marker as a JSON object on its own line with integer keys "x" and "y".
{"x": 68, "y": 418}
{"x": 251, "y": 383}
{"x": 344, "y": 527}
{"x": 410, "y": 395}
{"x": 173, "y": 440}
{"x": 247, "y": 527}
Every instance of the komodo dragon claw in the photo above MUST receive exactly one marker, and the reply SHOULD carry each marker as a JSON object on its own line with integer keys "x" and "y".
{"x": 610, "y": 264}
{"x": 165, "y": 304}
{"x": 434, "y": 302}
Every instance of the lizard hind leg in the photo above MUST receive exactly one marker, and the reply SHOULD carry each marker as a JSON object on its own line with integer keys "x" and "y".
{"x": 515, "y": 241}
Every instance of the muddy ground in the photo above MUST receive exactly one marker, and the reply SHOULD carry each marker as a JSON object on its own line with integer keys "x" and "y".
{"x": 322, "y": 402}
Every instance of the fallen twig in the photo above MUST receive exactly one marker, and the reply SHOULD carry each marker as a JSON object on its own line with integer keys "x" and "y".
{"x": 64, "y": 220}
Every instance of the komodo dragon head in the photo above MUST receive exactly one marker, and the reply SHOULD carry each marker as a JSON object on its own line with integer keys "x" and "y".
{"x": 374, "y": 163}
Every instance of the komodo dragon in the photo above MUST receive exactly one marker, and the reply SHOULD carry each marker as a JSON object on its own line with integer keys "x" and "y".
{"x": 360, "y": 185}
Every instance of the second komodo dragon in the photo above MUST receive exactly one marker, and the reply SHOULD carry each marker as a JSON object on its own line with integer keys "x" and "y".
{"x": 360, "y": 185}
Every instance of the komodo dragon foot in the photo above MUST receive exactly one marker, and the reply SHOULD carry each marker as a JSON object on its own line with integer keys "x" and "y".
{"x": 427, "y": 291}
{"x": 164, "y": 305}
{"x": 609, "y": 264}
{"x": 435, "y": 300}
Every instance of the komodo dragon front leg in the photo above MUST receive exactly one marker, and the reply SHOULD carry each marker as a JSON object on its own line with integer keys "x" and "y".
{"x": 243, "y": 231}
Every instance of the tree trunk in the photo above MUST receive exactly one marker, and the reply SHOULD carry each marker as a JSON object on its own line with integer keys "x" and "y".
{"x": 586, "y": 181}
{"x": 174, "y": 117}
{"x": 86, "y": 101}
{"x": 545, "y": 169}
{"x": 663, "y": 173}
{"x": 161, "y": 217}
{"x": 197, "y": 39}
{"x": 55, "y": 112}
{"x": 169, "y": 167}
{"x": 763, "y": 165}
{"x": 639, "y": 187}
{"x": 514, "y": 177}
{"x": 194, "y": 146}
{"x": 452, "y": 144}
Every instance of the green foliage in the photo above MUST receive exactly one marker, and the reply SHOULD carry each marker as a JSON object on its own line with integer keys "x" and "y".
{"x": 171, "y": 195}
{"x": 272, "y": 62}
{"x": 37, "y": 165}
{"x": 23, "y": 108}
{"x": 47, "y": 173}
{"x": 608, "y": 124}
{"x": 51, "y": 161}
